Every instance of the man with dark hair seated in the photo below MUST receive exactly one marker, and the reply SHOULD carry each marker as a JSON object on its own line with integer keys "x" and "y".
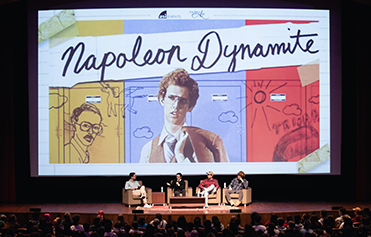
{"x": 236, "y": 186}
{"x": 178, "y": 185}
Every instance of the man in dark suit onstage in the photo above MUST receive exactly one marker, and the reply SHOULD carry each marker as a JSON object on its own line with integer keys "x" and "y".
{"x": 178, "y": 185}
{"x": 179, "y": 143}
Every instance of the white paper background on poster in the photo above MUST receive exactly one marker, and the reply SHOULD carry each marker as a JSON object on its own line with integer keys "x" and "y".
{"x": 252, "y": 35}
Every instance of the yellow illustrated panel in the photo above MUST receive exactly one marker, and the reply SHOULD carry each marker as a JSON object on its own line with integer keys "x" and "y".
{"x": 100, "y": 28}
{"x": 86, "y": 123}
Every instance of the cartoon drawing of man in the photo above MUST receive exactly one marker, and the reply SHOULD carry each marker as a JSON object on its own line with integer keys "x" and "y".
{"x": 178, "y": 94}
{"x": 112, "y": 97}
{"x": 86, "y": 123}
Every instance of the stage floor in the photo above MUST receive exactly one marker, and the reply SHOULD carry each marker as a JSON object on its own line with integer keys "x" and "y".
{"x": 118, "y": 208}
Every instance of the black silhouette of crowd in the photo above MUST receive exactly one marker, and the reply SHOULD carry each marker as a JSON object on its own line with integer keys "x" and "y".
{"x": 344, "y": 225}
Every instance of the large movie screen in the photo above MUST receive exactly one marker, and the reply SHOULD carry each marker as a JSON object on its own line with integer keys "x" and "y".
{"x": 160, "y": 91}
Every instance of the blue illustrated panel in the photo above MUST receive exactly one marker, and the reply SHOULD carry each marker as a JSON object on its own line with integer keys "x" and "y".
{"x": 162, "y": 26}
{"x": 219, "y": 109}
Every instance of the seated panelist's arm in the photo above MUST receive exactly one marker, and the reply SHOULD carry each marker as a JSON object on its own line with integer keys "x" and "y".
{"x": 202, "y": 184}
{"x": 245, "y": 183}
{"x": 182, "y": 184}
{"x": 128, "y": 185}
{"x": 171, "y": 184}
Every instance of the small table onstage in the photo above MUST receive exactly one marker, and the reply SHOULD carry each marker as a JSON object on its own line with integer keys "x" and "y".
{"x": 187, "y": 202}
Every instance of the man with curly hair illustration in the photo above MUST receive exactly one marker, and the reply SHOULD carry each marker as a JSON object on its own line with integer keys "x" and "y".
{"x": 86, "y": 124}
{"x": 177, "y": 143}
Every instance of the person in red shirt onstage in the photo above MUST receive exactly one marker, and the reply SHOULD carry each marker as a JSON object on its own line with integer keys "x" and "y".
{"x": 208, "y": 186}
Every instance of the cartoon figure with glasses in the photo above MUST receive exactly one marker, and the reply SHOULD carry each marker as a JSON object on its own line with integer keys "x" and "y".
{"x": 178, "y": 143}
{"x": 86, "y": 123}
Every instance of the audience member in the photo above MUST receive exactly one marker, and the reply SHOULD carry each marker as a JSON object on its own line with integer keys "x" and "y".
{"x": 208, "y": 228}
{"x": 316, "y": 225}
{"x": 95, "y": 224}
{"x": 2, "y": 220}
{"x": 162, "y": 223}
{"x": 249, "y": 230}
{"x": 46, "y": 225}
{"x": 190, "y": 228}
{"x": 280, "y": 224}
{"x": 197, "y": 223}
{"x": 288, "y": 219}
{"x": 298, "y": 224}
{"x": 258, "y": 225}
{"x": 180, "y": 233}
{"x": 35, "y": 218}
{"x": 128, "y": 230}
{"x": 142, "y": 223}
{"x": 302, "y": 227}
{"x": 357, "y": 215}
{"x": 11, "y": 222}
{"x": 364, "y": 228}
{"x": 273, "y": 219}
{"x": 135, "y": 228}
{"x": 339, "y": 219}
{"x": 182, "y": 222}
{"x": 323, "y": 214}
{"x": 216, "y": 224}
{"x": 307, "y": 227}
{"x": 117, "y": 227}
{"x": 366, "y": 212}
{"x": 67, "y": 223}
{"x": 76, "y": 226}
{"x": 86, "y": 227}
{"x": 120, "y": 218}
{"x": 57, "y": 226}
{"x": 103, "y": 221}
{"x": 271, "y": 229}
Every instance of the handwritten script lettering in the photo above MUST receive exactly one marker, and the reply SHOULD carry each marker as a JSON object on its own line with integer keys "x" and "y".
{"x": 210, "y": 50}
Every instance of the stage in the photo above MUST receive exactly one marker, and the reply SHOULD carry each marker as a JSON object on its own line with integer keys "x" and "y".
{"x": 88, "y": 211}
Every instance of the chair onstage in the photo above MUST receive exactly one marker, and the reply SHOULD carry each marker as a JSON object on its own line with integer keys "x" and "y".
{"x": 128, "y": 198}
{"x": 246, "y": 199}
{"x": 213, "y": 198}
{"x": 170, "y": 191}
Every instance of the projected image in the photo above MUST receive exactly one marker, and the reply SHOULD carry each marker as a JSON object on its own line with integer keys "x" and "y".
{"x": 282, "y": 114}
{"x": 177, "y": 143}
{"x": 85, "y": 123}
{"x": 212, "y": 128}
{"x": 176, "y": 92}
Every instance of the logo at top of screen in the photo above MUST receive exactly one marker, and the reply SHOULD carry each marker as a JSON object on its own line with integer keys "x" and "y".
{"x": 198, "y": 14}
{"x": 164, "y": 15}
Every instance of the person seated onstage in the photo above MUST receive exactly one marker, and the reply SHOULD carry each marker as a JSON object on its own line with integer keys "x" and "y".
{"x": 236, "y": 186}
{"x": 133, "y": 184}
{"x": 178, "y": 185}
{"x": 209, "y": 186}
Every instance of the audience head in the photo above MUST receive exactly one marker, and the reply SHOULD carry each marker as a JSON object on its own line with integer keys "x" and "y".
{"x": 76, "y": 219}
{"x": 342, "y": 211}
{"x": 280, "y": 221}
{"x": 207, "y": 224}
{"x": 159, "y": 216}
{"x": 141, "y": 221}
{"x": 252, "y": 216}
{"x": 67, "y": 216}
{"x": 297, "y": 219}
{"x": 366, "y": 211}
{"x": 135, "y": 225}
{"x": 180, "y": 233}
{"x": 47, "y": 217}
{"x": 273, "y": 219}
{"x": 258, "y": 219}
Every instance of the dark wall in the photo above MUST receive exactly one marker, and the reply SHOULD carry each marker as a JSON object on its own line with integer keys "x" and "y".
{"x": 15, "y": 181}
